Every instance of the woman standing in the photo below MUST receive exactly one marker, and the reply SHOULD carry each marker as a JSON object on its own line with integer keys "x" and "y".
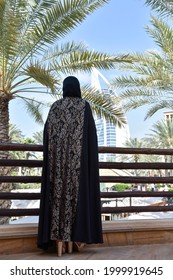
{"x": 70, "y": 209}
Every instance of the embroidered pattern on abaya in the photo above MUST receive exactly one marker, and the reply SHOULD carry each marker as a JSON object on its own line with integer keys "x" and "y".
{"x": 65, "y": 130}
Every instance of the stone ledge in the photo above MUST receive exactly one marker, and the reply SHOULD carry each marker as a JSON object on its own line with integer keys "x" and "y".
{"x": 23, "y": 238}
{"x": 138, "y": 225}
{"x": 135, "y": 232}
{"x": 18, "y": 231}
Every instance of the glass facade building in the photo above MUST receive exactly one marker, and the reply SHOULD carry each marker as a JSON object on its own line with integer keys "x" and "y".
{"x": 110, "y": 135}
{"x": 106, "y": 133}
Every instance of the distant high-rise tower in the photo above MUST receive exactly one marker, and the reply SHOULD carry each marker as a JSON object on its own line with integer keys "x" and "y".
{"x": 108, "y": 134}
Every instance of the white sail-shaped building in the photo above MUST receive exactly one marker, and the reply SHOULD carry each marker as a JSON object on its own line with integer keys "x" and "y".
{"x": 109, "y": 135}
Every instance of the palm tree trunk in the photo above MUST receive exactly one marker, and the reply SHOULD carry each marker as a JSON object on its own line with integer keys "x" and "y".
{"x": 4, "y": 127}
{"x": 4, "y": 120}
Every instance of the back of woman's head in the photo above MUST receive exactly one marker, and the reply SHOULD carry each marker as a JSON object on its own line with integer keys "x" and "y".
{"x": 71, "y": 87}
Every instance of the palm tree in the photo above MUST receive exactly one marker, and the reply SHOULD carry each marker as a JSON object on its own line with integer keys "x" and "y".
{"x": 34, "y": 58}
{"x": 134, "y": 143}
{"x": 38, "y": 137}
{"x": 161, "y": 136}
{"x": 151, "y": 80}
{"x": 15, "y": 134}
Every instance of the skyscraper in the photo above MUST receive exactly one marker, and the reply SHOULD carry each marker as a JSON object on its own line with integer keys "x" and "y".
{"x": 109, "y": 135}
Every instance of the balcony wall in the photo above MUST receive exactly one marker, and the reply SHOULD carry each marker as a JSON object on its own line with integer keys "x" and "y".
{"x": 22, "y": 238}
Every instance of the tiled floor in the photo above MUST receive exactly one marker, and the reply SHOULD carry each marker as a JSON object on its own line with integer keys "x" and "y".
{"x": 132, "y": 252}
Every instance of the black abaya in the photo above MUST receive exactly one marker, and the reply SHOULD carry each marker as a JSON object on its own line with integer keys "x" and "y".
{"x": 86, "y": 226}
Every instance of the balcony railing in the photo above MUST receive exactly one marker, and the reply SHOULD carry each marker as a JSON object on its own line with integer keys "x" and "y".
{"x": 103, "y": 179}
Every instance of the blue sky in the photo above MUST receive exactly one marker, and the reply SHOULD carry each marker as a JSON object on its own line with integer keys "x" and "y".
{"x": 116, "y": 28}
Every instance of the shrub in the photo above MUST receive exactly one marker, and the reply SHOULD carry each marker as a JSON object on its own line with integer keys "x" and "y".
{"x": 121, "y": 187}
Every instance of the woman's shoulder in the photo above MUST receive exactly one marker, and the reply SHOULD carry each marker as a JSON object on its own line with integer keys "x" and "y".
{"x": 56, "y": 104}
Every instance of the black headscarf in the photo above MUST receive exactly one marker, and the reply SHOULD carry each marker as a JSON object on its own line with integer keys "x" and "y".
{"x": 71, "y": 87}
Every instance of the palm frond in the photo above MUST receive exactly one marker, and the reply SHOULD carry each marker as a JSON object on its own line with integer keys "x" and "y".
{"x": 105, "y": 105}
{"x": 15, "y": 134}
{"x": 156, "y": 80}
{"x": 41, "y": 75}
{"x": 131, "y": 81}
{"x": 163, "y": 7}
{"x": 38, "y": 137}
{"x": 134, "y": 143}
{"x": 12, "y": 41}
{"x": 54, "y": 20}
{"x": 153, "y": 104}
{"x": 134, "y": 104}
{"x": 46, "y": 21}
{"x": 85, "y": 61}
{"x": 152, "y": 81}
{"x": 162, "y": 34}
{"x": 162, "y": 104}
{"x": 139, "y": 63}
{"x": 9, "y": 34}
{"x": 135, "y": 97}
{"x": 64, "y": 49}
{"x": 145, "y": 93}
{"x": 11, "y": 18}
{"x": 34, "y": 108}
{"x": 161, "y": 134}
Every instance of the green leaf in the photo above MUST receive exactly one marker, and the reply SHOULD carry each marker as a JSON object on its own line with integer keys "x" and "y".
{"x": 41, "y": 75}
{"x": 105, "y": 105}
{"x": 86, "y": 60}
{"x": 163, "y": 7}
{"x": 34, "y": 108}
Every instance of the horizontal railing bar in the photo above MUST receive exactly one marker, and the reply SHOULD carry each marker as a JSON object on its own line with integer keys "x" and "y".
{"x": 19, "y": 212}
{"x": 105, "y": 210}
{"x": 134, "y": 179}
{"x": 123, "y": 150}
{"x": 135, "y": 165}
{"x": 136, "y": 194}
{"x": 21, "y": 147}
{"x": 20, "y": 179}
{"x": 104, "y": 179}
{"x": 102, "y": 165}
{"x": 136, "y": 209}
{"x": 118, "y": 150}
{"x": 20, "y": 196}
{"x": 21, "y": 162}
{"x": 125, "y": 194}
